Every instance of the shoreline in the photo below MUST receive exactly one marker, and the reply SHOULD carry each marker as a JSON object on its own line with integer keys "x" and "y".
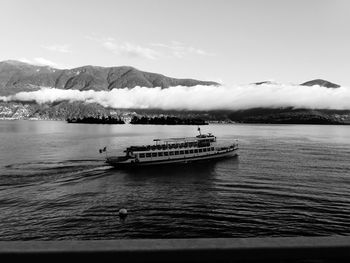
{"x": 209, "y": 123}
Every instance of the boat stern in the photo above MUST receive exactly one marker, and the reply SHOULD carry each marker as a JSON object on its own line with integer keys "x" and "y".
{"x": 119, "y": 161}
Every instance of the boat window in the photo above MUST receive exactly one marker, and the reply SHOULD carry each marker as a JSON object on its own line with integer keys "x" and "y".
{"x": 191, "y": 151}
{"x": 142, "y": 155}
{"x": 148, "y": 154}
{"x": 160, "y": 154}
{"x": 181, "y": 152}
{"x": 212, "y": 148}
{"x": 166, "y": 153}
{"x": 171, "y": 153}
{"x": 154, "y": 154}
{"x": 176, "y": 152}
{"x": 196, "y": 151}
{"x": 205, "y": 149}
{"x": 186, "y": 152}
{"x": 200, "y": 150}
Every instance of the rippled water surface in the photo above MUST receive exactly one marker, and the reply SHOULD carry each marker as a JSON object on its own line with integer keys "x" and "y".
{"x": 288, "y": 180}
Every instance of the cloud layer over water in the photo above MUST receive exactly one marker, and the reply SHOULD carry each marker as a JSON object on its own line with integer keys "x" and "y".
{"x": 200, "y": 97}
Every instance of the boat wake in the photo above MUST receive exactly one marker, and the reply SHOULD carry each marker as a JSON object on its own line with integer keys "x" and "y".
{"x": 36, "y": 173}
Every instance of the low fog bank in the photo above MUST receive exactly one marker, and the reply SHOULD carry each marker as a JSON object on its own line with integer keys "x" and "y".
{"x": 201, "y": 98}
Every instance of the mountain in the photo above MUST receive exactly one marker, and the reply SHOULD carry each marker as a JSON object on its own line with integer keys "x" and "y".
{"x": 269, "y": 82}
{"x": 18, "y": 76}
{"x": 321, "y": 83}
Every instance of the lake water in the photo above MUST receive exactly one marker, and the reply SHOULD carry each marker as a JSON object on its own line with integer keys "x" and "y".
{"x": 288, "y": 180}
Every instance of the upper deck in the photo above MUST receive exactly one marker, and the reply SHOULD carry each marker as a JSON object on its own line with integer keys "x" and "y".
{"x": 202, "y": 140}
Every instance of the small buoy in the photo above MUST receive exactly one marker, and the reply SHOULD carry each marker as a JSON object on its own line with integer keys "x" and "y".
{"x": 123, "y": 213}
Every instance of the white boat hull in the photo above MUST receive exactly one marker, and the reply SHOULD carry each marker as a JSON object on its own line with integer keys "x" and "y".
{"x": 186, "y": 159}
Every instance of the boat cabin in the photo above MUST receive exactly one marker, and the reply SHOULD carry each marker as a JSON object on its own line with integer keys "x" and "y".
{"x": 200, "y": 141}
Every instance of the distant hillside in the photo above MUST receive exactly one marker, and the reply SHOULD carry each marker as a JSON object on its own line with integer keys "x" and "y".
{"x": 321, "y": 83}
{"x": 290, "y": 116}
{"x": 17, "y": 76}
{"x": 264, "y": 82}
{"x": 73, "y": 110}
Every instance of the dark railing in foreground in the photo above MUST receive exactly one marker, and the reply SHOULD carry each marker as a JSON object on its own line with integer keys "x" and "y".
{"x": 299, "y": 249}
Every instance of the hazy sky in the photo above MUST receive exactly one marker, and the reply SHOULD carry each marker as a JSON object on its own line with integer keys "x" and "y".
{"x": 221, "y": 40}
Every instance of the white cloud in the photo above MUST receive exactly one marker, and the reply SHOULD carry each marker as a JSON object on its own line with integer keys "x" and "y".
{"x": 25, "y": 60}
{"x": 175, "y": 49}
{"x": 180, "y": 50}
{"x": 130, "y": 49}
{"x": 44, "y": 62}
{"x": 201, "y": 97}
{"x": 125, "y": 48}
{"x": 59, "y": 48}
{"x": 40, "y": 61}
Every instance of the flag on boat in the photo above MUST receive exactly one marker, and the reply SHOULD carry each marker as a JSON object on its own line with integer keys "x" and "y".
{"x": 103, "y": 150}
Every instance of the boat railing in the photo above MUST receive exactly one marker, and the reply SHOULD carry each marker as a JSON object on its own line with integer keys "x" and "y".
{"x": 186, "y": 139}
{"x": 166, "y": 146}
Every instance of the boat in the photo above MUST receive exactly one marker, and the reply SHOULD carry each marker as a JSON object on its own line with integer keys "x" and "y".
{"x": 202, "y": 147}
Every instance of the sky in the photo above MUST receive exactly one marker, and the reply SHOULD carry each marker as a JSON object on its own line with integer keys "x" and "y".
{"x": 227, "y": 41}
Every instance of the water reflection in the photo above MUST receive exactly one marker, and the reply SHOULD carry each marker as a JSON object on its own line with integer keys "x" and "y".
{"x": 205, "y": 169}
